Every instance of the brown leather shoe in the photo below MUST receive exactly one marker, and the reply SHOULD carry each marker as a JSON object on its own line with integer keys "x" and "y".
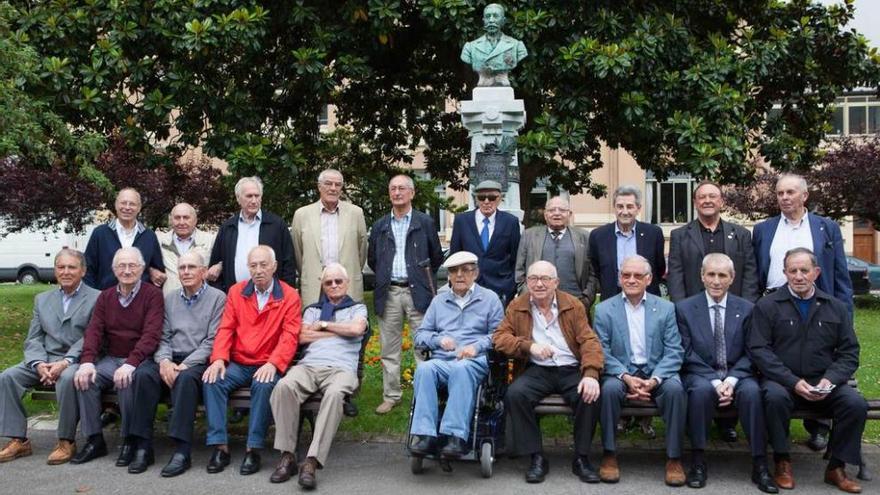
{"x": 285, "y": 469}
{"x": 15, "y": 449}
{"x": 64, "y": 450}
{"x": 783, "y": 477}
{"x": 837, "y": 477}
{"x": 307, "y": 473}
{"x": 675, "y": 472}
{"x": 609, "y": 472}
{"x": 386, "y": 406}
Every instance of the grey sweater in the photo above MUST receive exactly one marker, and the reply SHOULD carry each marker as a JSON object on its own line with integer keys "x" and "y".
{"x": 190, "y": 329}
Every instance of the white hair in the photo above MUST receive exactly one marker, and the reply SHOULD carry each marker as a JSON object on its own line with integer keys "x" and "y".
{"x": 265, "y": 248}
{"x": 801, "y": 182}
{"x": 248, "y": 180}
{"x": 334, "y": 267}
{"x": 409, "y": 181}
{"x": 542, "y": 263}
{"x": 641, "y": 259}
{"x": 140, "y": 202}
{"x": 330, "y": 171}
{"x": 129, "y": 250}
{"x": 197, "y": 256}
{"x": 717, "y": 258}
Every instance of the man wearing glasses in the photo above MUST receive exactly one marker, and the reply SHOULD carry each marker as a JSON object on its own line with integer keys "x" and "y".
{"x": 492, "y": 235}
{"x": 565, "y": 247}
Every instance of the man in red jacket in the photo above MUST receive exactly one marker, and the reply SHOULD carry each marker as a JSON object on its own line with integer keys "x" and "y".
{"x": 254, "y": 345}
{"x": 124, "y": 331}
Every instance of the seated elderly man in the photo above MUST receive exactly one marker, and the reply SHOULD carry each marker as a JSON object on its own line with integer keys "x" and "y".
{"x": 123, "y": 334}
{"x": 51, "y": 351}
{"x": 332, "y": 332}
{"x": 255, "y": 343}
{"x": 192, "y": 315}
{"x": 555, "y": 351}
{"x": 457, "y": 330}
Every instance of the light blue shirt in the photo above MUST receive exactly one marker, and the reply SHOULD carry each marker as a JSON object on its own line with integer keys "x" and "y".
{"x": 65, "y": 299}
{"x": 336, "y": 351}
{"x": 471, "y": 325}
{"x": 248, "y": 238}
{"x": 263, "y": 296}
{"x": 399, "y": 227}
{"x": 182, "y": 245}
{"x": 189, "y": 301}
{"x": 626, "y": 245}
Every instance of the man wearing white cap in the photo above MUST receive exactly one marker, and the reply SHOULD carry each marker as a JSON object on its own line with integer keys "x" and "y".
{"x": 457, "y": 329}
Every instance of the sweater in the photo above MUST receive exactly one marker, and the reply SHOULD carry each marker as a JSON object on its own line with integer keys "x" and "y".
{"x": 190, "y": 329}
{"x": 102, "y": 246}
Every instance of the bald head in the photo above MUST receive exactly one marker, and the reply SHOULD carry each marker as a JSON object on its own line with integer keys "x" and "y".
{"x": 183, "y": 219}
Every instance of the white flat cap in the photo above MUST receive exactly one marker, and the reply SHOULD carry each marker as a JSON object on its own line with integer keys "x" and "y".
{"x": 460, "y": 258}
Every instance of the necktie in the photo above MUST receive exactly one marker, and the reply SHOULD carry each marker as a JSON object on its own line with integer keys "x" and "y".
{"x": 720, "y": 347}
{"x": 484, "y": 234}
{"x": 555, "y": 235}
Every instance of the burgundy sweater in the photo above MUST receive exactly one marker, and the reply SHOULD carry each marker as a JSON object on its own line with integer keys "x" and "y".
{"x": 133, "y": 332}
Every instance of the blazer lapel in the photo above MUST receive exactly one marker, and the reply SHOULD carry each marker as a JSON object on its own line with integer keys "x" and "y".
{"x": 732, "y": 320}
{"x": 471, "y": 220}
{"x": 342, "y": 228}
{"x": 537, "y": 243}
{"x": 314, "y": 225}
{"x": 650, "y": 325}
{"x": 696, "y": 237}
{"x": 57, "y": 307}
{"x": 580, "y": 249}
{"x": 642, "y": 247}
{"x": 730, "y": 240}
{"x": 820, "y": 236}
{"x": 704, "y": 321}
{"x": 623, "y": 326}
{"x": 504, "y": 44}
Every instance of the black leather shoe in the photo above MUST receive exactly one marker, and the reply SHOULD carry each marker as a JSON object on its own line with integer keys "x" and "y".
{"x": 538, "y": 469}
{"x": 218, "y": 462}
{"x": 696, "y": 477}
{"x": 582, "y": 468}
{"x": 455, "y": 448}
{"x": 89, "y": 451}
{"x": 728, "y": 434}
{"x": 818, "y": 441}
{"x": 178, "y": 465}
{"x": 423, "y": 445}
{"x": 761, "y": 477}
{"x": 126, "y": 454}
{"x": 250, "y": 464}
{"x": 143, "y": 458}
{"x": 285, "y": 469}
{"x": 349, "y": 408}
{"x": 108, "y": 417}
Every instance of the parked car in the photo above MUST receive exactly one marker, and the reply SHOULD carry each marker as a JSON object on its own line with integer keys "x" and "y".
{"x": 29, "y": 256}
{"x": 442, "y": 275}
{"x": 873, "y": 270}
{"x": 859, "y": 277}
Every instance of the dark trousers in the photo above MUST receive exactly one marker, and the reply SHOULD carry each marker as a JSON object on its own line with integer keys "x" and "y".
{"x": 847, "y": 408}
{"x": 535, "y": 383}
{"x": 670, "y": 397}
{"x": 702, "y": 402}
{"x": 148, "y": 388}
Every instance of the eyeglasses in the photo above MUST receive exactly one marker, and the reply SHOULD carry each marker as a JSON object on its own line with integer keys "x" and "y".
{"x": 487, "y": 197}
{"x": 334, "y": 282}
{"x": 557, "y": 210}
{"x": 544, "y": 279}
{"x": 331, "y": 183}
{"x": 629, "y": 275}
{"x": 455, "y": 270}
{"x": 128, "y": 266}
{"x": 187, "y": 268}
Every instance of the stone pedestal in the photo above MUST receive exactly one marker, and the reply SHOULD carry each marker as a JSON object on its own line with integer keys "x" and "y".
{"x": 493, "y": 114}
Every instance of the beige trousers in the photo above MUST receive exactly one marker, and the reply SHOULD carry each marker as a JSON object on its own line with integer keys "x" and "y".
{"x": 398, "y": 305}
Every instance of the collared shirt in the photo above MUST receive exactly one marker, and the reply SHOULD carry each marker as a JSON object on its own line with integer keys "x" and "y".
{"x": 463, "y": 300}
{"x": 713, "y": 240}
{"x": 626, "y": 244}
{"x": 549, "y": 333}
{"x": 400, "y": 227}
{"x": 789, "y": 235}
{"x": 182, "y": 245}
{"x": 124, "y": 300}
{"x": 65, "y": 298}
{"x": 804, "y": 303}
{"x": 712, "y": 303}
{"x": 561, "y": 232}
{"x": 263, "y": 295}
{"x": 479, "y": 217}
{"x": 189, "y": 301}
{"x": 635, "y": 320}
{"x": 329, "y": 235}
{"x": 126, "y": 237}
{"x": 248, "y": 238}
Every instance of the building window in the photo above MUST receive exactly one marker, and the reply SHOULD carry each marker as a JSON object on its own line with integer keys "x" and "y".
{"x": 324, "y": 117}
{"x": 436, "y": 214}
{"x": 856, "y": 115}
{"x": 669, "y": 201}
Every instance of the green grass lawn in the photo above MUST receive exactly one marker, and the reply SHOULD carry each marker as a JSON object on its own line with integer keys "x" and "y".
{"x": 16, "y": 303}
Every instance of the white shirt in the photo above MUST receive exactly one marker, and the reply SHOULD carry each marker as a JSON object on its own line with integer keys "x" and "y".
{"x": 789, "y": 235}
{"x": 479, "y": 220}
{"x": 635, "y": 321}
{"x": 549, "y": 333}
{"x": 329, "y": 235}
{"x": 263, "y": 296}
{"x": 248, "y": 238}
{"x": 730, "y": 379}
{"x": 126, "y": 237}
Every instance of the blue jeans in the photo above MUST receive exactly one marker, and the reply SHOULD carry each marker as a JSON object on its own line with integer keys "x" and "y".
{"x": 461, "y": 378}
{"x": 216, "y": 397}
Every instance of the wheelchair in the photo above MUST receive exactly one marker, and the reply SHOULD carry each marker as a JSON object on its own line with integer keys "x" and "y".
{"x": 487, "y": 421}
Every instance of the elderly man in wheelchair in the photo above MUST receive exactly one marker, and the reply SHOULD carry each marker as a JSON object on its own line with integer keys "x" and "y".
{"x": 456, "y": 330}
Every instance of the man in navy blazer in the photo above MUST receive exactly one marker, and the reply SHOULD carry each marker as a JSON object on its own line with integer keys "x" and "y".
{"x": 643, "y": 354}
{"x": 717, "y": 371}
{"x": 610, "y": 244}
{"x": 492, "y": 235}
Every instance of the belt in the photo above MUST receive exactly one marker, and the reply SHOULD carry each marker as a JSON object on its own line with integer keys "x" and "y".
{"x": 402, "y": 283}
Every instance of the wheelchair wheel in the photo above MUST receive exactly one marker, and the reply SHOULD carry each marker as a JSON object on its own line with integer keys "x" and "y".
{"x": 415, "y": 465}
{"x": 486, "y": 460}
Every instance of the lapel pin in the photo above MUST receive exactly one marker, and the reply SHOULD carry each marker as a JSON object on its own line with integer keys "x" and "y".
{"x": 653, "y": 309}
{"x": 737, "y": 315}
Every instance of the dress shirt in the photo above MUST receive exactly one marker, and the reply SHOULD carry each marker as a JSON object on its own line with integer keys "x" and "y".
{"x": 561, "y": 232}
{"x": 713, "y": 240}
{"x": 189, "y": 301}
{"x": 635, "y": 321}
{"x": 124, "y": 300}
{"x": 65, "y": 298}
{"x": 126, "y": 237}
{"x": 248, "y": 238}
{"x": 463, "y": 300}
{"x": 626, "y": 245}
{"x": 263, "y": 295}
{"x": 723, "y": 303}
{"x": 400, "y": 227}
{"x": 479, "y": 221}
{"x": 329, "y": 235}
{"x": 182, "y": 245}
{"x": 549, "y": 333}
{"x": 789, "y": 235}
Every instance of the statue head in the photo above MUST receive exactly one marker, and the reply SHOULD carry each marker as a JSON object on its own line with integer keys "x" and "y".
{"x": 493, "y": 19}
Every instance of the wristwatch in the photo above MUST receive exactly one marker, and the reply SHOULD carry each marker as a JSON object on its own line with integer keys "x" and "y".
{"x": 323, "y": 325}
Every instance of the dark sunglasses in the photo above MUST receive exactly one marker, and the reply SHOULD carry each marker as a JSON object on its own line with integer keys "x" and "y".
{"x": 333, "y": 281}
{"x": 487, "y": 197}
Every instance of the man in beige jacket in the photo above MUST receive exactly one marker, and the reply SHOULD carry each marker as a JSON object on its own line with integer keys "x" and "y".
{"x": 183, "y": 237}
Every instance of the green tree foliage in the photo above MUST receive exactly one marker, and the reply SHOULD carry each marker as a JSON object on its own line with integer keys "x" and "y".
{"x": 685, "y": 86}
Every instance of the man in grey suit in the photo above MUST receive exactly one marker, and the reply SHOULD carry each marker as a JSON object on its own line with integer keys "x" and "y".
{"x": 708, "y": 233}
{"x": 565, "y": 247}
{"x": 643, "y": 355}
{"x": 51, "y": 351}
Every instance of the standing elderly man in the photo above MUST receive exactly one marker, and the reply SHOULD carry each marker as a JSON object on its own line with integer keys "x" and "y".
{"x": 51, "y": 352}
{"x": 457, "y": 330}
{"x": 183, "y": 237}
{"x": 254, "y": 345}
{"x": 612, "y": 243}
{"x": 555, "y": 351}
{"x": 643, "y": 354}
{"x": 123, "y": 231}
{"x": 192, "y": 315}
{"x": 332, "y": 334}
{"x": 123, "y": 333}
{"x": 404, "y": 253}
{"x": 246, "y": 230}
{"x": 802, "y": 340}
{"x": 565, "y": 247}
{"x": 492, "y": 235}
{"x": 717, "y": 371}
{"x": 329, "y": 231}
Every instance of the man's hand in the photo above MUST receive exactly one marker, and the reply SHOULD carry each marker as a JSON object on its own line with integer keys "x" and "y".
{"x": 725, "y": 394}
{"x": 84, "y": 376}
{"x": 168, "y": 371}
{"x": 122, "y": 376}
{"x": 805, "y": 390}
{"x": 467, "y": 352}
{"x": 44, "y": 373}
{"x": 265, "y": 373}
{"x": 589, "y": 389}
{"x": 638, "y": 389}
{"x": 217, "y": 368}
{"x": 214, "y": 272}
{"x": 541, "y": 351}
{"x": 157, "y": 276}
{"x": 447, "y": 343}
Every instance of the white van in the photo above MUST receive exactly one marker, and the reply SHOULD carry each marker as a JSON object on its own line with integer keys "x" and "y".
{"x": 28, "y": 256}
